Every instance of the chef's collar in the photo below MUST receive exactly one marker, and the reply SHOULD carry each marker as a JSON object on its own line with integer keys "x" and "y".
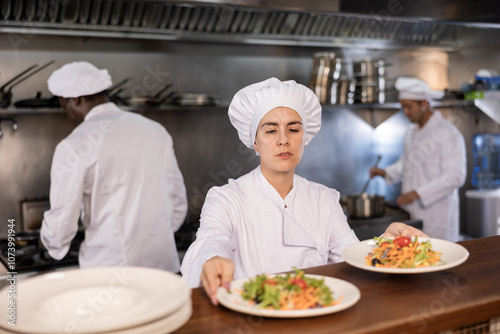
{"x": 100, "y": 109}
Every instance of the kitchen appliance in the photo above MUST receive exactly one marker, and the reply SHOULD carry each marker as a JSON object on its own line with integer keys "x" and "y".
{"x": 32, "y": 213}
{"x": 482, "y": 205}
{"x": 362, "y": 23}
{"x": 367, "y": 228}
{"x": 29, "y": 256}
{"x": 482, "y": 212}
{"x": 486, "y": 155}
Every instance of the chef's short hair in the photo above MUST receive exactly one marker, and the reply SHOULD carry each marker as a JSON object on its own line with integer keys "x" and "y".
{"x": 92, "y": 97}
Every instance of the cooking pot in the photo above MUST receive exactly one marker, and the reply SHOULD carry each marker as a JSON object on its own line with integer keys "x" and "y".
{"x": 342, "y": 91}
{"x": 365, "y": 205}
{"x": 369, "y": 68}
{"x": 368, "y": 93}
{"x": 327, "y": 68}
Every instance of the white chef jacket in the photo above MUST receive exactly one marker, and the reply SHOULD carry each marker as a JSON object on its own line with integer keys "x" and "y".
{"x": 118, "y": 171}
{"x": 248, "y": 222}
{"x": 434, "y": 165}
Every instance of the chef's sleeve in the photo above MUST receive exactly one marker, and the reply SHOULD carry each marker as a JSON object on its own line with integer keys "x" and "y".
{"x": 60, "y": 223}
{"x": 394, "y": 172}
{"x": 213, "y": 238}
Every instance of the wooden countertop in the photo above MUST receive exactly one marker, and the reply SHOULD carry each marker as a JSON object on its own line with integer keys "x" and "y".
{"x": 390, "y": 303}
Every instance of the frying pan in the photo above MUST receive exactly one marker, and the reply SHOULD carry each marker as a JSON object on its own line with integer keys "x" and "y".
{"x": 38, "y": 102}
{"x": 6, "y": 94}
{"x": 154, "y": 100}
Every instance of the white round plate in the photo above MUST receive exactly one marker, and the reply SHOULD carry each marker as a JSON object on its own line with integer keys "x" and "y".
{"x": 94, "y": 300}
{"x": 349, "y": 293}
{"x": 167, "y": 324}
{"x": 452, "y": 255}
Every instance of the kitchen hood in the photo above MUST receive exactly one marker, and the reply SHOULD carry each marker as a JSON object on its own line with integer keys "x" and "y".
{"x": 389, "y": 24}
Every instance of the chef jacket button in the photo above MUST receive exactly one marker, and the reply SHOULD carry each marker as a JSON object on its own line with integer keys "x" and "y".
{"x": 273, "y": 255}
{"x": 299, "y": 212}
{"x": 310, "y": 253}
{"x": 267, "y": 212}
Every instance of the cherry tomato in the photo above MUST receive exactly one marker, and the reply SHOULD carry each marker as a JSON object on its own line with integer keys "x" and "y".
{"x": 300, "y": 283}
{"x": 402, "y": 241}
{"x": 269, "y": 282}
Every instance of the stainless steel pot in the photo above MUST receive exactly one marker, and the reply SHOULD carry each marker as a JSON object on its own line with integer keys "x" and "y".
{"x": 369, "y": 68}
{"x": 365, "y": 205}
{"x": 368, "y": 94}
{"x": 342, "y": 92}
{"x": 327, "y": 68}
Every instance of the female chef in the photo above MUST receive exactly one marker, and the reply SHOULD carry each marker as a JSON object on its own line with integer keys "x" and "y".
{"x": 270, "y": 219}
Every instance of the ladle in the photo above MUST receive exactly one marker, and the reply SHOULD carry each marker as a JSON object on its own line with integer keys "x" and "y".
{"x": 369, "y": 178}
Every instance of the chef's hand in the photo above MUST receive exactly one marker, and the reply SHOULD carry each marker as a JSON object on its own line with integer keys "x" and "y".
{"x": 217, "y": 271}
{"x": 397, "y": 229}
{"x": 375, "y": 171}
{"x": 407, "y": 198}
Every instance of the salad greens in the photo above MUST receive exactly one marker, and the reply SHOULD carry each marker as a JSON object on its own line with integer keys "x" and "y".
{"x": 287, "y": 291}
{"x": 402, "y": 252}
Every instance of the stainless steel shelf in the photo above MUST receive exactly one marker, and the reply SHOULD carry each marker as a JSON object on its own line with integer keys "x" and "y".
{"x": 397, "y": 105}
{"x": 489, "y": 107}
{"x": 13, "y": 111}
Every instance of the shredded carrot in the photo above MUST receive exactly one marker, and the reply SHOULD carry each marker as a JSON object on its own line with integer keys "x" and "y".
{"x": 288, "y": 292}
{"x": 389, "y": 255}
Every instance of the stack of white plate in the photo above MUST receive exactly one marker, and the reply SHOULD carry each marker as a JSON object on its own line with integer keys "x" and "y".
{"x": 125, "y": 300}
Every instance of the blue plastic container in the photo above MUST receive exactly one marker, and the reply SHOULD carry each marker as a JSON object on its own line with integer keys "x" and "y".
{"x": 486, "y": 155}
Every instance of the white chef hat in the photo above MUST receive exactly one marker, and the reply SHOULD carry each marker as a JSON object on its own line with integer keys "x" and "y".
{"x": 252, "y": 103}
{"x": 416, "y": 89}
{"x": 77, "y": 79}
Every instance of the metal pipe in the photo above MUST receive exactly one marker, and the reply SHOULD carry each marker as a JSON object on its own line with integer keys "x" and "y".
{"x": 15, "y": 126}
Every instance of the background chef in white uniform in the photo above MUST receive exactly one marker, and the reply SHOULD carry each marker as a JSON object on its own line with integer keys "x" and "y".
{"x": 270, "y": 219}
{"x": 433, "y": 165}
{"x": 117, "y": 171}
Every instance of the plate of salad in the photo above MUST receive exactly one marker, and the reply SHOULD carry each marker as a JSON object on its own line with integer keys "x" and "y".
{"x": 403, "y": 255}
{"x": 290, "y": 295}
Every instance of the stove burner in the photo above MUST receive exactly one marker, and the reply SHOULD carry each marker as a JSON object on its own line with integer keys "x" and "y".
{"x": 29, "y": 256}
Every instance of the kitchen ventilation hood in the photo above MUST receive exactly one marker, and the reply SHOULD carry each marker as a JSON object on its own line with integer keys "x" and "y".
{"x": 444, "y": 24}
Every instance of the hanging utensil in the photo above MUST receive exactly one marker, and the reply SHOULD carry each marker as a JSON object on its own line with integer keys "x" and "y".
{"x": 158, "y": 94}
{"x": 118, "y": 85}
{"x": 169, "y": 96}
{"x": 6, "y": 94}
{"x": 147, "y": 100}
{"x": 18, "y": 76}
{"x": 369, "y": 179}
